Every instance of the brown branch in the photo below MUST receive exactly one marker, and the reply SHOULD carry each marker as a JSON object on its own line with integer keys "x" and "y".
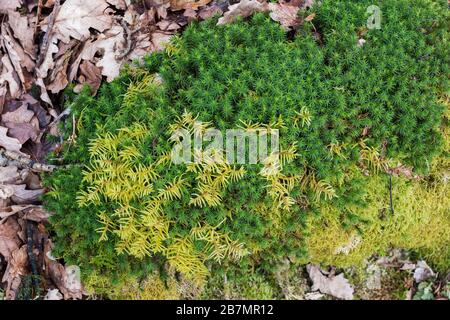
{"x": 25, "y": 162}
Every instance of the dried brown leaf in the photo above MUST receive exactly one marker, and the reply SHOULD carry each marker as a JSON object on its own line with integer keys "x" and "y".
{"x": 22, "y": 28}
{"x": 242, "y": 9}
{"x": 7, "y": 5}
{"x": 23, "y": 196}
{"x": 16, "y": 268}
{"x": 9, "y": 77}
{"x": 9, "y": 239}
{"x": 9, "y": 143}
{"x": 187, "y": 4}
{"x": 9, "y": 175}
{"x": 210, "y": 11}
{"x": 91, "y": 75}
{"x": 76, "y": 17}
{"x": 20, "y": 115}
{"x": 336, "y": 286}
{"x": 285, "y": 14}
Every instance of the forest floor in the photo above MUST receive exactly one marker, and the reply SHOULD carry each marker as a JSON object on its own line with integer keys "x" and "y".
{"x": 48, "y": 47}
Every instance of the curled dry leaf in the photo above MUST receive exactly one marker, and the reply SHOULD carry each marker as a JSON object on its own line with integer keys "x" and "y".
{"x": 423, "y": 272}
{"x": 336, "y": 286}
{"x": 242, "y": 9}
{"x": 22, "y": 124}
{"x": 23, "y": 196}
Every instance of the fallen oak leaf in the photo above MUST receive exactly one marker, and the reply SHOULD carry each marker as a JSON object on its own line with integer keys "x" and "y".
{"x": 285, "y": 14}
{"x": 23, "y": 196}
{"x": 91, "y": 75}
{"x": 9, "y": 143}
{"x": 9, "y": 238}
{"x": 20, "y": 115}
{"x": 21, "y": 26}
{"x": 76, "y": 17}
{"x": 210, "y": 11}
{"x": 336, "y": 286}
{"x": 9, "y": 174}
{"x": 23, "y": 131}
{"x": 9, "y": 77}
{"x": 67, "y": 280}
{"x": 242, "y": 9}
{"x": 9, "y": 5}
{"x": 176, "y": 5}
{"x": 16, "y": 268}
{"x": 37, "y": 214}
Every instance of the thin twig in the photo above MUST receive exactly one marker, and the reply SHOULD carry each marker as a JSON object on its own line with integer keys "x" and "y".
{"x": 45, "y": 41}
{"x": 25, "y": 162}
{"x": 127, "y": 37}
{"x": 66, "y": 112}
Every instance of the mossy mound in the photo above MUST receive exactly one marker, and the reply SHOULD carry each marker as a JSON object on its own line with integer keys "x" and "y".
{"x": 341, "y": 110}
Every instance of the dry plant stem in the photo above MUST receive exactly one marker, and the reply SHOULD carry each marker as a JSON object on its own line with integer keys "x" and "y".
{"x": 66, "y": 112}
{"x": 127, "y": 36}
{"x": 25, "y": 162}
{"x": 48, "y": 33}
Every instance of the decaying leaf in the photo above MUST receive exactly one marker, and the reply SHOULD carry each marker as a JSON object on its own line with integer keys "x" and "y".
{"x": 23, "y": 196}
{"x": 76, "y": 17}
{"x": 66, "y": 279}
{"x": 9, "y": 143}
{"x": 9, "y": 78}
{"x": 7, "y": 5}
{"x": 9, "y": 175}
{"x": 20, "y": 115}
{"x": 9, "y": 239}
{"x": 187, "y": 4}
{"x": 423, "y": 272}
{"x": 21, "y": 26}
{"x": 336, "y": 286}
{"x": 210, "y": 11}
{"x": 53, "y": 294}
{"x": 12, "y": 210}
{"x": 242, "y": 9}
{"x": 37, "y": 214}
{"x": 16, "y": 268}
{"x": 285, "y": 14}
{"x": 91, "y": 75}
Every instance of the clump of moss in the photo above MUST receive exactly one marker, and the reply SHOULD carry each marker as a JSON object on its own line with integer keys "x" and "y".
{"x": 420, "y": 221}
{"x": 123, "y": 207}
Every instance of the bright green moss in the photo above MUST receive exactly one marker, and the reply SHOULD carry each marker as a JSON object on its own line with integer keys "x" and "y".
{"x": 337, "y": 103}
